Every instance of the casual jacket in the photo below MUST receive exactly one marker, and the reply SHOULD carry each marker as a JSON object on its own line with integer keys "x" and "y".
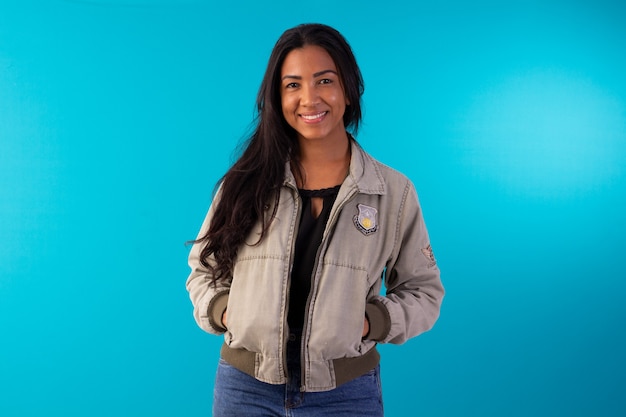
{"x": 375, "y": 232}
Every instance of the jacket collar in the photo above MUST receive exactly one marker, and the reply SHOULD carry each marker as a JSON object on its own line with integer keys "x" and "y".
{"x": 365, "y": 175}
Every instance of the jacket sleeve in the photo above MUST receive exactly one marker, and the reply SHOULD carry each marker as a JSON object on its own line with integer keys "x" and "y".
{"x": 209, "y": 300}
{"x": 413, "y": 287}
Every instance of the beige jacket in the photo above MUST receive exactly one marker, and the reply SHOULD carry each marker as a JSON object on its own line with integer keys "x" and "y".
{"x": 375, "y": 232}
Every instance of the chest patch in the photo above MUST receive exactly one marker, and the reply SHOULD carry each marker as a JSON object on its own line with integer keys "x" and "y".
{"x": 365, "y": 220}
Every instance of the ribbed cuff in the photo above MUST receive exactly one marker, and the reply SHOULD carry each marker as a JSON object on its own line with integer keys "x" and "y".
{"x": 379, "y": 319}
{"x": 216, "y": 309}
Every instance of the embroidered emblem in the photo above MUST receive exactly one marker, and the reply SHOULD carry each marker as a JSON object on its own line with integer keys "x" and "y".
{"x": 365, "y": 220}
{"x": 428, "y": 253}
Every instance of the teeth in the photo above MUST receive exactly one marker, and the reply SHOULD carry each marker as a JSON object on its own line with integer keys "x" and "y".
{"x": 313, "y": 116}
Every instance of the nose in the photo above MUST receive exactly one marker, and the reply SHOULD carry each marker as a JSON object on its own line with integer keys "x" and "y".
{"x": 310, "y": 96}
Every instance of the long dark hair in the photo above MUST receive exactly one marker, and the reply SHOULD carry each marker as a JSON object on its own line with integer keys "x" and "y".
{"x": 255, "y": 178}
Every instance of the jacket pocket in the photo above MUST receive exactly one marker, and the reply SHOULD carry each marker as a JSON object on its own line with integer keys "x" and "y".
{"x": 336, "y": 324}
{"x": 254, "y": 316}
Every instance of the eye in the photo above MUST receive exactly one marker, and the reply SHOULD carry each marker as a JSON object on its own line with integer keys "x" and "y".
{"x": 291, "y": 85}
{"x": 326, "y": 81}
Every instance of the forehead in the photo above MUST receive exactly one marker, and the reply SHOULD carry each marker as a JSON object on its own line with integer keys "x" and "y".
{"x": 307, "y": 60}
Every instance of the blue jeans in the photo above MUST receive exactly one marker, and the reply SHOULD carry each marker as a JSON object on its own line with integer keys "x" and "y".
{"x": 238, "y": 394}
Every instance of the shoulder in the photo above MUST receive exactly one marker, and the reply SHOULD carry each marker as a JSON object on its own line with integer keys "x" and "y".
{"x": 391, "y": 173}
{"x": 392, "y": 178}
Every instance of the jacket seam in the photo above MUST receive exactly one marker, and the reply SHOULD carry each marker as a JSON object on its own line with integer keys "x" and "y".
{"x": 254, "y": 257}
{"x": 344, "y": 265}
{"x": 400, "y": 215}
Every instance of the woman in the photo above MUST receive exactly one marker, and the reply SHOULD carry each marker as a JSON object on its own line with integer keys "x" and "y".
{"x": 303, "y": 229}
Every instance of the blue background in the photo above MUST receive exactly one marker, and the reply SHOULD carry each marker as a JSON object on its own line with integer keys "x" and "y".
{"x": 117, "y": 117}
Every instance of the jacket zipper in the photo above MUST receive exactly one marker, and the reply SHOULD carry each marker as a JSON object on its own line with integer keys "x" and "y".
{"x": 329, "y": 226}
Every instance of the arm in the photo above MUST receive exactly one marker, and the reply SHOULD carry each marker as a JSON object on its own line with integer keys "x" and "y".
{"x": 414, "y": 290}
{"x": 209, "y": 300}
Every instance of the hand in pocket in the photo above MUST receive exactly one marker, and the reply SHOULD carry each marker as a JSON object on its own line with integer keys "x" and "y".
{"x": 366, "y": 327}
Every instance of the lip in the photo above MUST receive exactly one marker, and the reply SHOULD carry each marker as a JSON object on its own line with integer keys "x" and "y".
{"x": 313, "y": 117}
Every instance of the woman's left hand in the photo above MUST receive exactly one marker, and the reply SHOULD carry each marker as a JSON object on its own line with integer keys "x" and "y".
{"x": 366, "y": 327}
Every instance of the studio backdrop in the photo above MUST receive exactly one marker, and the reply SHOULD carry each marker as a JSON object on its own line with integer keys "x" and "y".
{"x": 118, "y": 117}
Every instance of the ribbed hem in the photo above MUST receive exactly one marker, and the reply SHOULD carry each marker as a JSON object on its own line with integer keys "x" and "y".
{"x": 346, "y": 369}
{"x": 242, "y": 359}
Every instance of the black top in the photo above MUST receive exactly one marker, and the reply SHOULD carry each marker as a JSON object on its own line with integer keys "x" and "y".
{"x": 307, "y": 243}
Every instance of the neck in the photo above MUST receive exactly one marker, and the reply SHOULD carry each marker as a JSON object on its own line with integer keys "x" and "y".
{"x": 324, "y": 165}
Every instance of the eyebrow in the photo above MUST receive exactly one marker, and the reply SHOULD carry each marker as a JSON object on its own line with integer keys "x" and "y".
{"x": 317, "y": 74}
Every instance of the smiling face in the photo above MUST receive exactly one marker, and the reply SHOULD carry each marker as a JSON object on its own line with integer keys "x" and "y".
{"x": 312, "y": 96}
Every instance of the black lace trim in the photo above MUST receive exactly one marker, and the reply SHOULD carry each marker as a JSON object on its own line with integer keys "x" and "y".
{"x": 324, "y": 192}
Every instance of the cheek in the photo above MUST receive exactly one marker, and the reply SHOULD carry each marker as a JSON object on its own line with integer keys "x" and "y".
{"x": 337, "y": 99}
{"x": 340, "y": 103}
{"x": 287, "y": 106}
